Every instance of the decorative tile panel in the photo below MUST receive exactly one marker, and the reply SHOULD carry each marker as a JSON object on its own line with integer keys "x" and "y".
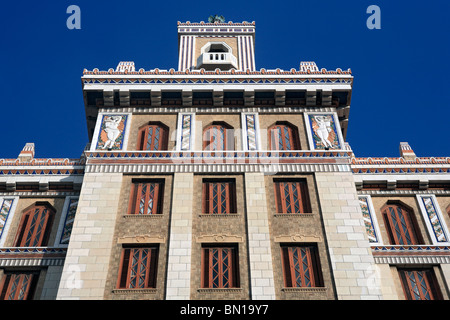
{"x": 112, "y": 132}
{"x": 70, "y": 218}
{"x": 186, "y": 129}
{"x": 5, "y": 209}
{"x": 250, "y": 121}
{"x": 368, "y": 220}
{"x": 433, "y": 218}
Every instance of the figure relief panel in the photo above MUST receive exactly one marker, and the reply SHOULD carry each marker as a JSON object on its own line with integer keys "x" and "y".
{"x": 112, "y": 131}
{"x": 324, "y": 131}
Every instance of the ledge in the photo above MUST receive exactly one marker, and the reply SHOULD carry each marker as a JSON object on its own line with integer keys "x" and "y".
{"x": 39, "y": 256}
{"x": 133, "y": 291}
{"x": 300, "y": 215}
{"x": 210, "y": 290}
{"x": 305, "y": 290}
{"x": 223, "y": 215}
{"x": 143, "y": 216}
{"x": 417, "y": 254}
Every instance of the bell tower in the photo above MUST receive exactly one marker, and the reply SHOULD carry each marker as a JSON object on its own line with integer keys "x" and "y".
{"x": 216, "y": 45}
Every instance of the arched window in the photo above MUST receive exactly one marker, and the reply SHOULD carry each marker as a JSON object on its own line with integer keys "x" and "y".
{"x": 218, "y": 137}
{"x": 401, "y": 225}
{"x": 283, "y": 136}
{"x": 153, "y": 137}
{"x": 35, "y": 226}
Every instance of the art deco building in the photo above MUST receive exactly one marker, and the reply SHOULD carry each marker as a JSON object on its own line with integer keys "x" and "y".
{"x": 218, "y": 180}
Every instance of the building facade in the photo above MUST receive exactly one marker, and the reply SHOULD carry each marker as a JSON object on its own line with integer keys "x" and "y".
{"x": 221, "y": 181}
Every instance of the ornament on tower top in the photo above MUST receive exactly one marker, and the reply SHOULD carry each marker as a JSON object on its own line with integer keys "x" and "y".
{"x": 216, "y": 19}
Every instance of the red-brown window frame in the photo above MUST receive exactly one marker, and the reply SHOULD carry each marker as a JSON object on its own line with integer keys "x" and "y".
{"x": 136, "y": 192}
{"x": 229, "y": 187}
{"x": 429, "y": 279}
{"x": 26, "y": 224}
{"x": 301, "y": 188}
{"x": 7, "y": 282}
{"x": 125, "y": 267}
{"x": 207, "y": 271}
{"x": 293, "y": 133}
{"x": 410, "y": 224}
{"x": 143, "y": 137}
{"x": 209, "y": 137}
{"x": 289, "y": 270}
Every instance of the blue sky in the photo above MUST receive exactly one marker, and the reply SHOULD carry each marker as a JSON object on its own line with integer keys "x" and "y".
{"x": 401, "y": 71}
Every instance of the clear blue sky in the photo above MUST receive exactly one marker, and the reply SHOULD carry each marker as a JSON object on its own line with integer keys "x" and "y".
{"x": 400, "y": 93}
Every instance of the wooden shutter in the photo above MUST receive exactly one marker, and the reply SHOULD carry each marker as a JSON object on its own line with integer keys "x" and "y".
{"x": 420, "y": 284}
{"x": 138, "y": 268}
{"x": 400, "y": 226}
{"x": 153, "y": 138}
{"x": 146, "y": 198}
{"x": 219, "y": 267}
{"x": 18, "y": 286}
{"x": 35, "y": 227}
{"x": 291, "y": 197}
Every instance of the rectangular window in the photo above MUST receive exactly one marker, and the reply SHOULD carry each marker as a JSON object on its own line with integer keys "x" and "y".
{"x": 146, "y": 197}
{"x": 219, "y": 196}
{"x": 301, "y": 267}
{"x": 291, "y": 196}
{"x": 420, "y": 284}
{"x": 138, "y": 268}
{"x": 220, "y": 267}
{"x": 18, "y": 286}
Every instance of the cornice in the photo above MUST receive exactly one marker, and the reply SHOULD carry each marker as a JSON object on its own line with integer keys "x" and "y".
{"x": 262, "y": 73}
{"x": 422, "y": 165}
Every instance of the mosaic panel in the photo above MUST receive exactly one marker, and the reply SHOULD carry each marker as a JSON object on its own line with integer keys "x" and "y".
{"x": 4, "y": 213}
{"x": 433, "y": 218}
{"x": 186, "y": 126}
{"x": 368, "y": 221}
{"x": 324, "y": 132}
{"x": 70, "y": 218}
{"x": 112, "y": 132}
{"x": 251, "y": 131}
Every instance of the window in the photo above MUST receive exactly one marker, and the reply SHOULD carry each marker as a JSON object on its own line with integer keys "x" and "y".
{"x": 218, "y": 137}
{"x": 401, "y": 225}
{"x": 153, "y": 137}
{"x": 219, "y": 196}
{"x": 301, "y": 267}
{"x": 35, "y": 226}
{"x": 146, "y": 197}
{"x": 420, "y": 284}
{"x": 283, "y": 136}
{"x": 291, "y": 196}
{"x": 138, "y": 268}
{"x": 220, "y": 267}
{"x": 18, "y": 286}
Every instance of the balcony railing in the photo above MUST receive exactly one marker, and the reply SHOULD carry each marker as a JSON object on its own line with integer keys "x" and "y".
{"x": 213, "y": 60}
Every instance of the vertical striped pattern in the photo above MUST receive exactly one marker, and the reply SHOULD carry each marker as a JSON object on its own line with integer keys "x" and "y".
{"x": 246, "y": 53}
{"x": 186, "y": 54}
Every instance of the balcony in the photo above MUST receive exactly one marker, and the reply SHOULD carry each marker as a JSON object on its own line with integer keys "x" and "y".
{"x": 221, "y": 60}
